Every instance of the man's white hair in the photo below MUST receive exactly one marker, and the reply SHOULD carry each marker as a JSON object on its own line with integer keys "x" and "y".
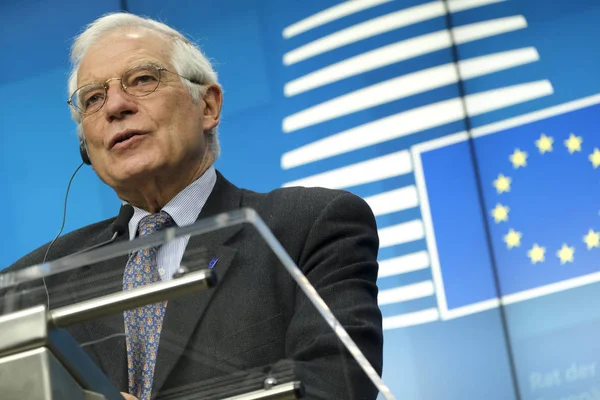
{"x": 187, "y": 59}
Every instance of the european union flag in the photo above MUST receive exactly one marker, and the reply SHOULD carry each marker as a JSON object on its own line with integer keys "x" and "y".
{"x": 542, "y": 204}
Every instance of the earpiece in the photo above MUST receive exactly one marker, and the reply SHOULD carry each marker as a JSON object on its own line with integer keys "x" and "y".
{"x": 84, "y": 154}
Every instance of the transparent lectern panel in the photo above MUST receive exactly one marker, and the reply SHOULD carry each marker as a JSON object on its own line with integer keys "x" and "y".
{"x": 245, "y": 315}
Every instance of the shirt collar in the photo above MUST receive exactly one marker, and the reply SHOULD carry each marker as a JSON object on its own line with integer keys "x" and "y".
{"x": 186, "y": 206}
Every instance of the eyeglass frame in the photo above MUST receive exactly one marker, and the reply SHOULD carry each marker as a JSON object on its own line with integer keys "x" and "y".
{"x": 123, "y": 87}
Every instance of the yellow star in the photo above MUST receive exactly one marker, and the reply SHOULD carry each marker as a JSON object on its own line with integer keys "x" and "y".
{"x": 592, "y": 239}
{"x": 518, "y": 158}
{"x": 536, "y": 254}
{"x": 565, "y": 254}
{"x": 544, "y": 143}
{"x": 595, "y": 158}
{"x": 502, "y": 184}
{"x": 573, "y": 143}
{"x": 500, "y": 213}
{"x": 513, "y": 238}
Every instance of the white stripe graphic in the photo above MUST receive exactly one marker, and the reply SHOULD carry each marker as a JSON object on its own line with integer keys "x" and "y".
{"x": 488, "y": 64}
{"x": 401, "y": 233}
{"x": 364, "y": 30}
{"x": 329, "y": 15}
{"x": 393, "y": 201}
{"x": 413, "y": 121}
{"x": 484, "y": 29}
{"x": 518, "y": 297}
{"x": 496, "y": 99}
{"x": 551, "y": 288}
{"x": 411, "y": 319}
{"x": 401, "y": 51}
{"x": 403, "y": 264}
{"x": 434, "y": 264}
{"x": 536, "y": 115}
{"x": 461, "y": 5}
{"x": 406, "y": 293}
{"x": 507, "y": 124}
{"x": 408, "y": 85}
{"x": 373, "y": 170}
{"x": 378, "y": 131}
{"x": 467, "y": 310}
{"x": 377, "y": 26}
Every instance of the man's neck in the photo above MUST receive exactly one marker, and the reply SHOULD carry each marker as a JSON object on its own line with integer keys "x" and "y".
{"x": 156, "y": 193}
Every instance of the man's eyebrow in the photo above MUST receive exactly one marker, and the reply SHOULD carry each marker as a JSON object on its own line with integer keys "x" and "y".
{"x": 152, "y": 63}
{"x": 130, "y": 67}
{"x": 148, "y": 63}
{"x": 90, "y": 80}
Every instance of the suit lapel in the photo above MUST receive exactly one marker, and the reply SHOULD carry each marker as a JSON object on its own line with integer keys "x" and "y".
{"x": 185, "y": 313}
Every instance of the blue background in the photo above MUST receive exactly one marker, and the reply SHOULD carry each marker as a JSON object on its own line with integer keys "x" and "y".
{"x": 467, "y": 357}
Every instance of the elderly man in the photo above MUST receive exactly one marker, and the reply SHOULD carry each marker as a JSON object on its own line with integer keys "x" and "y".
{"x": 147, "y": 104}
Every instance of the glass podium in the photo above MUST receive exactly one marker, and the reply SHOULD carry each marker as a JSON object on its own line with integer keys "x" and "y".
{"x": 244, "y": 320}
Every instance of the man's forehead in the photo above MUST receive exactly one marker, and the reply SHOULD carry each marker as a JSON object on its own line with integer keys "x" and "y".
{"x": 121, "y": 49}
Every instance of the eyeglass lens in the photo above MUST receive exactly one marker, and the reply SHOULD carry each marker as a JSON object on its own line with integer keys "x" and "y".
{"x": 139, "y": 81}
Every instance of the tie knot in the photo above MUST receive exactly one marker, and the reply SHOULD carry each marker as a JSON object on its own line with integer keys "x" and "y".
{"x": 154, "y": 222}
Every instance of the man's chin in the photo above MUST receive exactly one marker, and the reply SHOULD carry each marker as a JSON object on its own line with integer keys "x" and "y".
{"x": 133, "y": 166}
{"x": 128, "y": 176}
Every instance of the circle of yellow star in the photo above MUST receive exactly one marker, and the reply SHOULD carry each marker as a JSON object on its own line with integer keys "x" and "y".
{"x": 592, "y": 239}
{"x": 565, "y": 254}
{"x": 513, "y": 238}
{"x": 500, "y": 213}
{"x": 573, "y": 143}
{"x": 544, "y": 143}
{"x": 595, "y": 158}
{"x": 502, "y": 184}
{"x": 537, "y": 254}
{"x": 518, "y": 158}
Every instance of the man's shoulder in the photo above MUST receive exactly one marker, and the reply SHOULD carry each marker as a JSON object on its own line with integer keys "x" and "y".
{"x": 289, "y": 197}
{"x": 69, "y": 243}
{"x": 291, "y": 201}
{"x": 300, "y": 194}
{"x": 305, "y": 205}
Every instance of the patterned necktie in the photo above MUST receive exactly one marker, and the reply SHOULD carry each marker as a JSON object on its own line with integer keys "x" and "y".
{"x": 143, "y": 325}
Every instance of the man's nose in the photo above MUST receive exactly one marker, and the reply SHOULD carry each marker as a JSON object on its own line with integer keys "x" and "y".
{"x": 119, "y": 104}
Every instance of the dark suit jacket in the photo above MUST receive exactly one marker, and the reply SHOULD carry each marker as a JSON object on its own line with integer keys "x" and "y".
{"x": 256, "y": 315}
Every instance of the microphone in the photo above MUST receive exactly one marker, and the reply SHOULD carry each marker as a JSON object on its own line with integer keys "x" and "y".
{"x": 118, "y": 227}
{"x": 122, "y": 220}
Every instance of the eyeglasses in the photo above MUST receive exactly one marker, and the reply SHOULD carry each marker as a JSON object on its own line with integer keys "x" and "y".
{"x": 138, "y": 82}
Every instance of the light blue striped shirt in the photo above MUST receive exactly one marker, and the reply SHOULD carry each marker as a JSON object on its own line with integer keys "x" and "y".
{"x": 184, "y": 208}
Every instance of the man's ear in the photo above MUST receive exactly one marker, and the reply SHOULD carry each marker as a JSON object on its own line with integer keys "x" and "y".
{"x": 213, "y": 98}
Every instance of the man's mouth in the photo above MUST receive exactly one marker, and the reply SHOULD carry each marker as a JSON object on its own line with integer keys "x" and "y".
{"x": 124, "y": 136}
